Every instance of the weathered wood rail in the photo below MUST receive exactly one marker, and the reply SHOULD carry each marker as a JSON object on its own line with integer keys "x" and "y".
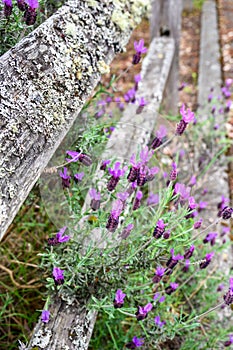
{"x": 45, "y": 81}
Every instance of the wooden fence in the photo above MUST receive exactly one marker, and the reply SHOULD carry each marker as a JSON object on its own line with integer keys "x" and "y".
{"x": 45, "y": 81}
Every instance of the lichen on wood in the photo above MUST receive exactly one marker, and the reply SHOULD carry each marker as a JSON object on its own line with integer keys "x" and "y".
{"x": 45, "y": 80}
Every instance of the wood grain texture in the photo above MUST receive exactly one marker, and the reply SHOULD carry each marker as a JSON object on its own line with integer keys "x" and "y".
{"x": 45, "y": 81}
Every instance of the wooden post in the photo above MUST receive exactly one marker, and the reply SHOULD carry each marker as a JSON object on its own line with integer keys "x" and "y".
{"x": 166, "y": 21}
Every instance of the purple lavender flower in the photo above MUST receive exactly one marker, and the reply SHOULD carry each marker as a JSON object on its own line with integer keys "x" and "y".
{"x": 193, "y": 181}
{"x": 159, "y": 229}
{"x": 202, "y": 205}
{"x": 140, "y": 49}
{"x": 113, "y": 219}
{"x": 161, "y": 299}
{"x": 78, "y": 177}
{"x": 224, "y": 201}
{"x": 137, "y": 201}
{"x": 197, "y": 224}
{"x": 58, "y": 276}
{"x": 95, "y": 199}
{"x": 158, "y": 322}
{"x": 116, "y": 173}
{"x": 226, "y": 93}
{"x": 59, "y": 236}
{"x": 145, "y": 155}
{"x": 173, "y": 174}
{"x": 21, "y": 5}
{"x": 158, "y": 274}
{"x": 135, "y": 343}
{"x": 182, "y": 190}
{"x": 225, "y": 230}
{"x": 186, "y": 266}
{"x": 166, "y": 234}
{"x": 160, "y": 135}
{"x": 189, "y": 252}
{"x": 45, "y": 316}
{"x": 122, "y": 196}
{"x": 210, "y": 97}
{"x": 170, "y": 289}
{"x": 229, "y": 342}
{"x": 78, "y": 156}
{"x": 7, "y": 7}
{"x": 126, "y": 231}
{"x": 226, "y": 213}
{"x": 104, "y": 164}
{"x": 220, "y": 287}
{"x": 142, "y": 311}
{"x": 137, "y": 79}
{"x": 174, "y": 259}
{"x": 187, "y": 117}
{"x": 228, "y": 297}
{"x": 210, "y": 237}
{"x": 228, "y": 106}
{"x": 207, "y": 260}
{"x": 142, "y": 103}
{"x": 152, "y": 199}
{"x": 118, "y": 302}
{"x": 182, "y": 86}
{"x": 65, "y": 178}
{"x": 30, "y": 12}
{"x": 228, "y": 82}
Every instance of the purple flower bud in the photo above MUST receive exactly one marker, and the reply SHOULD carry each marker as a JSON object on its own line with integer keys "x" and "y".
{"x": 197, "y": 224}
{"x": 126, "y": 231}
{"x": 166, "y": 234}
{"x": 174, "y": 259}
{"x": 170, "y": 289}
{"x": 159, "y": 229}
{"x": 119, "y": 299}
{"x": 58, "y": 276}
{"x": 45, "y": 316}
{"x": 153, "y": 199}
{"x": 95, "y": 199}
{"x": 207, "y": 260}
{"x": 59, "y": 236}
{"x": 220, "y": 287}
{"x": 228, "y": 297}
{"x": 229, "y": 342}
{"x": 189, "y": 252}
{"x": 226, "y": 213}
{"x": 210, "y": 237}
{"x": 30, "y": 16}
{"x": 65, "y": 178}
{"x": 158, "y": 322}
{"x": 135, "y": 343}
{"x": 173, "y": 174}
{"x": 142, "y": 311}
{"x": 158, "y": 274}
{"x": 78, "y": 177}
{"x": 21, "y": 5}
{"x": 186, "y": 266}
{"x": 7, "y": 8}
{"x": 104, "y": 164}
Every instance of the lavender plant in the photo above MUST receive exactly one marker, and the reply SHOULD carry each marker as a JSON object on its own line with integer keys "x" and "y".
{"x": 152, "y": 248}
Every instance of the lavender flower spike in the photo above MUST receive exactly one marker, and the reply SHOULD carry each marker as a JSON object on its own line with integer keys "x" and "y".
{"x": 159, "y": 229}
{"x": 207, "y": 260}
{"x": 7, "y": 8}
{"x": 158, "y": 322}
{"x": 140, "y": 49}
{"x": 95, "y": 199}
{"x": 158, "y": 274}
{"x": 45, "y": 316}
{"x": 228, "y": 297}
{"x": 142, "y": 311}
{"x": 60, "y": 238}
{"x": 119, "y": 299}
{"x": 187, "y": 117}
{"x": 58, "y": 276}
{"x": 65, "y": 178}
{"x": 230, "y": 341}
{"x": 135, "y": 343}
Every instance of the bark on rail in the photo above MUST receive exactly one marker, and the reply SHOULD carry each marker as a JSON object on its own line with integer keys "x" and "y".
{"x": 72, "y": 324}
{"x": 45, "y": 81}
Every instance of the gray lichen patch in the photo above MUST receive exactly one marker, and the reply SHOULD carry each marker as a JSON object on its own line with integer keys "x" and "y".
{"x": 46, "y": 79}
{"x": 42, "y": 338}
